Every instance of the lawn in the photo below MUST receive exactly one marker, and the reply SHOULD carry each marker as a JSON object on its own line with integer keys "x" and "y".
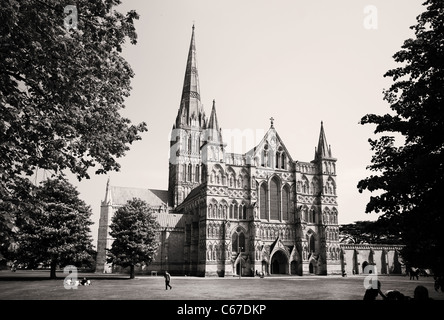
{"x": 35, "y": 285}
{"x": 27, "y": 291}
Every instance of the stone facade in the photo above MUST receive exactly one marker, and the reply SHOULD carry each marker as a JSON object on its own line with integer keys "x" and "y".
{"x": 227, "y": 214}
{"x": 377, "y": 258}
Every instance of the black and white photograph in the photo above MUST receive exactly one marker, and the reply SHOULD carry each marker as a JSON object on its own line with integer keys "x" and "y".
{"x": 208, "y": 158}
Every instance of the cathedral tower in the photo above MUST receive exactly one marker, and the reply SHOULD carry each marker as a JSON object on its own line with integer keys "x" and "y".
{"x": 327, "y": 212}
{"x": 185, "y": 165}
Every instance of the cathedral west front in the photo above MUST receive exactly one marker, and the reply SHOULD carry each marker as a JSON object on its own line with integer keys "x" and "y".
{"x": 229, "y": 214}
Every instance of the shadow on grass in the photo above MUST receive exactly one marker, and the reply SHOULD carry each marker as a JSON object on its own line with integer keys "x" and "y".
{"x": 43, "y": 276}
{"x": 58, "y": 278}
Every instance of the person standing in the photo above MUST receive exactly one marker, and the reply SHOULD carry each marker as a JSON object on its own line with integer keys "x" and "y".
{"x": 167, "y": 280}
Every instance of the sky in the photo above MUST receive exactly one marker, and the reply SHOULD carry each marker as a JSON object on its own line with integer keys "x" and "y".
{"x": 300, "y": 62}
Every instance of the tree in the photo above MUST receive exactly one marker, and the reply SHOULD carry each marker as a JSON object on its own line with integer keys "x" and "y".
{"x": 61, "y": 91}
{"x": 380, "y": 231}
{"x": 410, "y": 166}
{"x": 134, "y": 230}
{"x": 58, "y": 232}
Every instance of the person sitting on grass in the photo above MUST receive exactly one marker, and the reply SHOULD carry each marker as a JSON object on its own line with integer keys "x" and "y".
{"x": 85, "y": 282}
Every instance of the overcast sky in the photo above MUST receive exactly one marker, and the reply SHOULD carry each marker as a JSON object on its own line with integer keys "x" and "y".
{"x": 300, "y": 62}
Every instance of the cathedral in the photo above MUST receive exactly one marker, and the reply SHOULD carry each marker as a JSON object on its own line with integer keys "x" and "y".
{"x": 228, "y": 214}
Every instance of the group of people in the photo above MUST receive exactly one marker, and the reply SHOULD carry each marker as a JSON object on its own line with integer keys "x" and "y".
{"x": 420, "y": 293}
{"x": 83, "y": 282}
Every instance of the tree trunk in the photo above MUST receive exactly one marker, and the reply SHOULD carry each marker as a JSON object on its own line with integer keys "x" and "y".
{"x": 132, "y": 271}
{"x": 52, "y": 274}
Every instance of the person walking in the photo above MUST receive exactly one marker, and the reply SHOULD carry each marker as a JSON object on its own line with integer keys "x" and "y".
{"x": 167, "y": 280}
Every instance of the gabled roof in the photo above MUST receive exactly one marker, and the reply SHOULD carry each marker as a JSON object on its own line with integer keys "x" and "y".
{"x": 193, "y": 193}
{"x": 170, "y": 219}
{"x": 272, "y": 139}
{"x": 120, "y": 196}
{"x": 277, "y": 244}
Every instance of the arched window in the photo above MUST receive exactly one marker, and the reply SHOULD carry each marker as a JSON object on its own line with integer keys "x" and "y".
{"x": 305, "y": 213}
{"x": 234, "y": 242}
{"x": 209, "y": 210}
{"x": 214, "y": 215}
{"x": 312, "y": 216}
{"x": 263, "y": 201}
{"x": 305, "y": 186}
{"x": 274, "y": 199}
{"x": 224, "y": 210}
{"x": 239, "y": 181}
{"x": 232, "y": 208}
{"x": 231, "y": 176}
{"x": 244, "y": 211}
{"x": 204, "y": 173}
{"x": 242, "y": 242}
{"x": 311, "y": 244}
{"x": 331, "y": 186}
{"x": 185, "y": 171}
{"x": 196, "y": 173}
{"x": 299, "y": 186}
{"x": 278, "y": 156}
{"x": 189, "y": 143}
{"x": 283, "y": 162}
{"x": 190, "y": 169}
{"x": 285, "y": 203}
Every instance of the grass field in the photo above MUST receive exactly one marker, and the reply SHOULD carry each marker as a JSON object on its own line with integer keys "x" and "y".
{"x": 36, "y": 285}
{"x": 110, "y": 296}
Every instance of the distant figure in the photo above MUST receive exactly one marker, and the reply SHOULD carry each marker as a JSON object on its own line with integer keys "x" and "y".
{"x": 167, "y": 280}
{"x": 414, "y": 273}
{"x": 439, "y": 283}
{"x": 421, "y": 293}
{"x": 372, "y": 294}
{"x": 344, "y": 273}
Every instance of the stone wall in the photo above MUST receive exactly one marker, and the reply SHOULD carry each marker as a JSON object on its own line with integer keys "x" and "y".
{"x": 377, "y": 258}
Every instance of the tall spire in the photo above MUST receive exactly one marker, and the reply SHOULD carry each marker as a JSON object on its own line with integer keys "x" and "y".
{"x": 191, "y": 111}
{"x": 323, "y": 150}
{"x": 213, "y": 131}
{"x": 108, "y": 197}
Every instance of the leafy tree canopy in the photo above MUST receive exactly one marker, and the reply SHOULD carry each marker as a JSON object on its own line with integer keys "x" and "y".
{"x": 372, "y": 232}
{"x": 134, "y": 230}
{"x": 409, "y": 172}
{"x": 58, "y": 232}
{"x": 61, "y": 91}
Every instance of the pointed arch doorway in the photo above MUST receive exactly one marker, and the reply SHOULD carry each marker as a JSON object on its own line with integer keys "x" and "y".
{"x": 279, "y": 263}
